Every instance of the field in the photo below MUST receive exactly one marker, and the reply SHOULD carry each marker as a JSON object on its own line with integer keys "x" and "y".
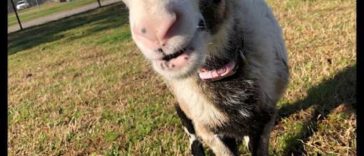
{"x": 79, "y": 86}
{"x": 45, "y": 9}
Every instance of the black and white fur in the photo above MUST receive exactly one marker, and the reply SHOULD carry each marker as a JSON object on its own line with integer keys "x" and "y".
{"x": 220, "y": 113}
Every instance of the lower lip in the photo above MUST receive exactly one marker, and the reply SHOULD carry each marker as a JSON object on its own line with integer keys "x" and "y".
{"x": 178, "y": 62}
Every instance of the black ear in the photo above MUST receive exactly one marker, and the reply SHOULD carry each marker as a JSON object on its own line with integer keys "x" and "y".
{"x": 209, "y": 2}
{"x": 216, "y": 1}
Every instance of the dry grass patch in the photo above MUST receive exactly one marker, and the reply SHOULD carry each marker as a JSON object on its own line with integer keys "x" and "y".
{"x": 79, "y": 86}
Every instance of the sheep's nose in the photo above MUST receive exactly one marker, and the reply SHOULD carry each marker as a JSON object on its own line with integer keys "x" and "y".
{"x": 155, "y": 31}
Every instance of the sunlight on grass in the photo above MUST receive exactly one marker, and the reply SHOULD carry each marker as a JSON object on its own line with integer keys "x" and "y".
{"x": 82, "y": 88}
{"x": 46, "y": 9}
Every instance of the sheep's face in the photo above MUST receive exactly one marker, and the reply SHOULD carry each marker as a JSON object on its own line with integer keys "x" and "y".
{"x": 174, "y": 34}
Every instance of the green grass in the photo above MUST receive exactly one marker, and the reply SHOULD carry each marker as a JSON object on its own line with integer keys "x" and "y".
{"x": 45, "y": 9}
{"x": 82, "y": 88}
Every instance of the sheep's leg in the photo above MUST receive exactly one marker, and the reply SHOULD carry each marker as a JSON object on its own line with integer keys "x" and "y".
{"x": 231, "y": 143}
{"x": 213, "y": 141}
{"x": 195, "y": 145}
{"x": 259, "y": 141}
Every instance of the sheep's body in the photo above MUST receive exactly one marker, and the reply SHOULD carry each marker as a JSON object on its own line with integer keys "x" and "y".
{"x": 243, "y": 104}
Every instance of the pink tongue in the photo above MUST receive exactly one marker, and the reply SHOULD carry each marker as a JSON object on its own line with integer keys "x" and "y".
{"x": 179, "y": 61}
{"x": 217, "y": 74}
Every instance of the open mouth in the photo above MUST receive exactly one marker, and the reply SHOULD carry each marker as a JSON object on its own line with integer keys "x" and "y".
{"x": 176, "y": 60}
{"x": 174, "y": 55}
{"x": 185, "y": 57}
{"x": 200, "y": 27}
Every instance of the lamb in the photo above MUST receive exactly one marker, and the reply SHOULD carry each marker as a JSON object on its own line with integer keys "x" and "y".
{"x": 224, "y": 60}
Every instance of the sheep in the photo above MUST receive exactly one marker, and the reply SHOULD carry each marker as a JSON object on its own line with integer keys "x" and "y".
{"x": 225, "y": 61}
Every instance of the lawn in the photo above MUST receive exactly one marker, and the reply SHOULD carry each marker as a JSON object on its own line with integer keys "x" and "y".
{"x": 45, "y": 10}
{"x": 79, "y": 86}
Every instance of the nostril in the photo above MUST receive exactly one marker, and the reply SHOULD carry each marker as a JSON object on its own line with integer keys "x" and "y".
{"x": 160, "y": 50}
{"x": 155, "y": 30}
{"x": 144, "y": 30}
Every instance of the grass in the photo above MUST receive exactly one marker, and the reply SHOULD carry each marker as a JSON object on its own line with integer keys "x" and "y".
{"x": 83, "y": 88}
{"x": 45, "y": 9}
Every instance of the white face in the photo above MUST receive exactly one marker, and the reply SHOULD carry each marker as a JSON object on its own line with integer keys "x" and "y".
{"x": 170, "y": 33}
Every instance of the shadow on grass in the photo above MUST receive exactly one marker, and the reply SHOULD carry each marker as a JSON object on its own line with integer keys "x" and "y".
{"x": 103, "y": 18}
{"x": 323, "y": 98}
